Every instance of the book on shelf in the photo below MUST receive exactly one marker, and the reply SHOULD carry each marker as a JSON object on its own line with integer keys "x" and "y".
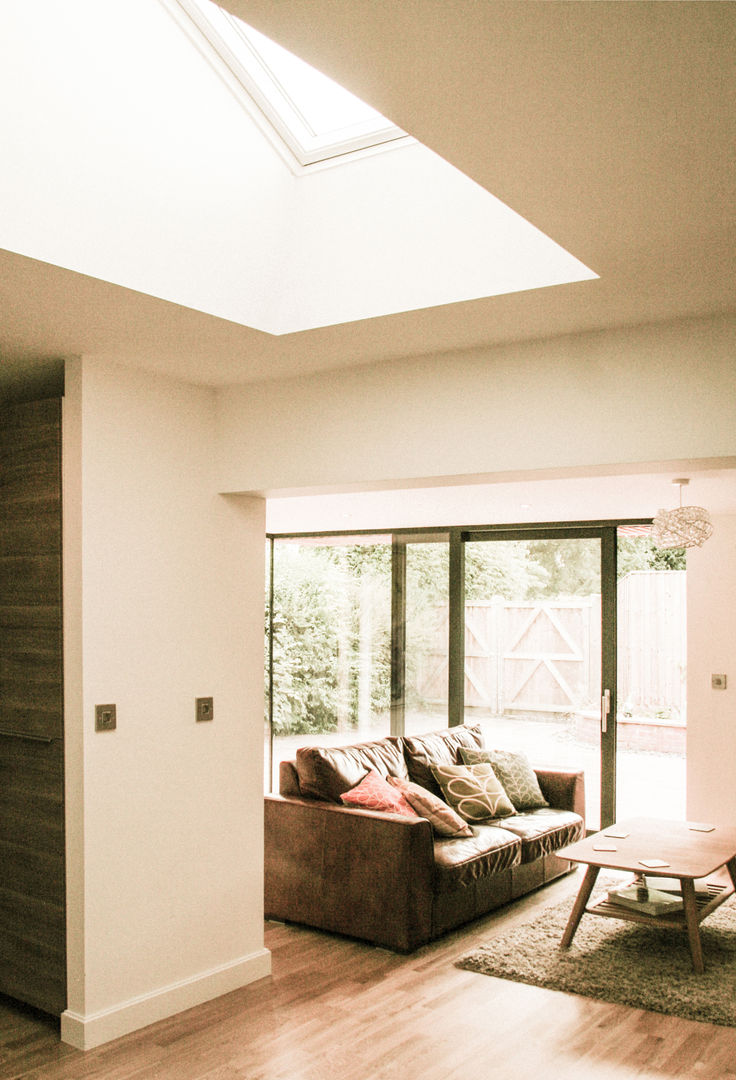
{"x": 673, "y": 885}
{"x": 638, "y": 897}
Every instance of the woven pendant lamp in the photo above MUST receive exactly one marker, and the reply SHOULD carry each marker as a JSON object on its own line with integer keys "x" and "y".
{"x": 684, "y": 527}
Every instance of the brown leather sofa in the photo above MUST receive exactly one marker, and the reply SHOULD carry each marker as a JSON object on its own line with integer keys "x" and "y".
{"x": 385, "y": 878}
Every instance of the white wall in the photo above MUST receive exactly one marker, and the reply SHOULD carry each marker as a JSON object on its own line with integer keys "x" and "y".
{"x": 164, "y": 585}
{"x": 540, "y": 496}
{"x": 648, "y": 394}
{"x": 711, "y": 630}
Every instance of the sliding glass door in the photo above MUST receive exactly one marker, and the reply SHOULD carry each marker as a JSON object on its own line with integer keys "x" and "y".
{"x": 421, "y": 613}
{"x": 651, "y": 714}
{"x": 329, "y": 669}
{"x": 566, "y": 642}
{"x": 534, "y": 664}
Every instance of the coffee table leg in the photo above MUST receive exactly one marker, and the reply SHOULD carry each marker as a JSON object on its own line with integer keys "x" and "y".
{"x": 691, "y": 918}
{"x": 731, "y": 867}
{"x": 581, "y": 900}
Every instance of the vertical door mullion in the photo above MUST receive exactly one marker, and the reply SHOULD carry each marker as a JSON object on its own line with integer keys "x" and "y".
{"x": 456, "y": 631}
{"x": 398, "y": 636}
{"x": 609, "y": 642}
{"x": 271, "y": 593}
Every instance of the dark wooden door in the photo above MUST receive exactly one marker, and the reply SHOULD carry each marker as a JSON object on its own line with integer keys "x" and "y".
{"x": 32, "y": 901}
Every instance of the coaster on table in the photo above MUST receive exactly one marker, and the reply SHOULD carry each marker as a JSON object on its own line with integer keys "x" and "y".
{"x": 696, "y": 826}
{"x": 604, "y": 847}
{"x": 653, "y": 863}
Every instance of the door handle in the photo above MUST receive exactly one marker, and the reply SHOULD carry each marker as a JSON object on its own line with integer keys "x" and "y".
{"x": 605, "y": 710}
{"x": 23, "y": 735}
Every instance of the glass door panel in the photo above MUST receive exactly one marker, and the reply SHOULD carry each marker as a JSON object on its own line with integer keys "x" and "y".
{"x": 426, "y": 643}
{"x": 331, "y": 642}
{"x": 533, "y": 651}
{"x": 651, "y": 720}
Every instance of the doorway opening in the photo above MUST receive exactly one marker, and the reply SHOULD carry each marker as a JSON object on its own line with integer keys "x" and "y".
{"x": 565, "y": 642}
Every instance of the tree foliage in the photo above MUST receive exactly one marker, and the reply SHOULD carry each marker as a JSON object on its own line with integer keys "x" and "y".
{"x": 639, "y": 553}
{"x": 304, "y": 643}
{"x": 504, "y": 568}
{"x": 331, "y": 636}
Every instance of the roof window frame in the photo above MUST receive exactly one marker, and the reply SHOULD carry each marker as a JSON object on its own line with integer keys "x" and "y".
{"x": 229, "y": 37}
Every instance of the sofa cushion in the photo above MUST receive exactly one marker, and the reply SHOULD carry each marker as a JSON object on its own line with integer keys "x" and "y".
{"x": 443, "y": 818}
{"x": 325, "y": 772}
{"x": 375, "y": 793}
{"x": 474, "y": 791}
{"x": 460, "y": 861}
{"x": 542, "y": 832}
{"x": 515, "y": 773}
{"x": 437, "y": 748}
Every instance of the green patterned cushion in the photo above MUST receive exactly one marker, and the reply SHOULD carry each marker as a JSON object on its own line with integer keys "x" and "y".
{"x": 474, "y": 791}
{"x": 515, "y": 773}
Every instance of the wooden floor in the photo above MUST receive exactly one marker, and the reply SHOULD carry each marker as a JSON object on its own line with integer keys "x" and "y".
{"x": 339, "y": 1010}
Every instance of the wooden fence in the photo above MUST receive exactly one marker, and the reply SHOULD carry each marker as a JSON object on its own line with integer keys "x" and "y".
{"x": 652, "y": 649}
{"x": 545, "y": 656}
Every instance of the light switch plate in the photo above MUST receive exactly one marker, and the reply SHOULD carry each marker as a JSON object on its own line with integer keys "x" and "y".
{"x": 105, "y": 718}
{"x": 718, "y": 682}
{"x": 205, "y": 709}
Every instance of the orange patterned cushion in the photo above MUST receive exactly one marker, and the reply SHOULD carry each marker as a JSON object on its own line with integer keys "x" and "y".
{"x": 375, "y": 793}
{"x": 443, "y": 818}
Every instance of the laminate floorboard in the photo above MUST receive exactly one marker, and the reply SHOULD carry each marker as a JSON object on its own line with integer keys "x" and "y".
{"x": 339, "y": 1008}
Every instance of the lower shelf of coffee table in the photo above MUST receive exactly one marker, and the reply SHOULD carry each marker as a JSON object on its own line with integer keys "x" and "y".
{"x": 706, "y": 903}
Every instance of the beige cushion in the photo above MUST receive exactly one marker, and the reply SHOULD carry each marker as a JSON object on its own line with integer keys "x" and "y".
{"x": 515, "y": 773}
{"x": 443, "y": 818}
{"x": 474, "y": 791}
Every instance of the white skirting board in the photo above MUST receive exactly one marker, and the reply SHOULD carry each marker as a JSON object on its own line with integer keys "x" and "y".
{"x": 86, "y": 1032}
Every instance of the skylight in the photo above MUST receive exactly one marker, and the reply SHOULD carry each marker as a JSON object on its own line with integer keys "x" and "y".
{"x": 316, "y": 117}
{"x": 172, "y": 185}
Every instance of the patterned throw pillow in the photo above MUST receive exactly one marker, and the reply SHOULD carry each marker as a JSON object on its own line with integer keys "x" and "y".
{"x": 375, "y": 793}
{"x": 474, "y": 791}
{"x": 515, "y": 773}
{"x": 443, "y": 818}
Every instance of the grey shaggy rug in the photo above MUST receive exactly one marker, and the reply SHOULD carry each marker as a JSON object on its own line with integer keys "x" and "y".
{"x": 621, "y": 962}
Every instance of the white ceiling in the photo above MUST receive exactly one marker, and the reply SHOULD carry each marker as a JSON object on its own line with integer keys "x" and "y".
{"x": 609, "y": 126}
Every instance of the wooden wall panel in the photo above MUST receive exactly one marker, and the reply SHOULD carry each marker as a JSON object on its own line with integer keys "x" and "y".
{"x": 32, "y": 910}
{"x": 30, "y": 670}
{"x": 30, "y": 568}
{"x": 32, "y": 900}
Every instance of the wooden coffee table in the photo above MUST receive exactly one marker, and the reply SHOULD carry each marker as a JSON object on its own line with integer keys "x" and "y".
{"x": 689, "y": 855}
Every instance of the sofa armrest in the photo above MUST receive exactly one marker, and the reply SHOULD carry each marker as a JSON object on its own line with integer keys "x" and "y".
{"x": 564, "y": 789}
{"x": 357, "y": 872}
